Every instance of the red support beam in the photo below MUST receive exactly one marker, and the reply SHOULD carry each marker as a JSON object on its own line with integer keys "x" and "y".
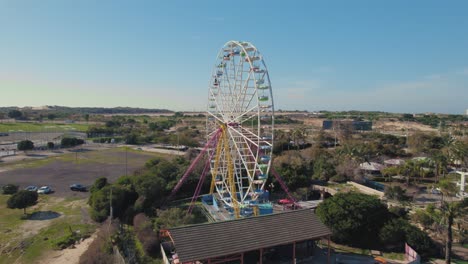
{"x": 192, "y": 165}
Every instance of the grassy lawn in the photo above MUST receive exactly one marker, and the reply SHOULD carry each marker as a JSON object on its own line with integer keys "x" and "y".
{"x": 107, "y": 156}
{"x": 41, "y": 127}
{"x": 363, "y": 251}
{"x": 26, "y": 241}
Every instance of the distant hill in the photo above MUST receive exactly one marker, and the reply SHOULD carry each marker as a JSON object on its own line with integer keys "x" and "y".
{"x": 64, "y": 110}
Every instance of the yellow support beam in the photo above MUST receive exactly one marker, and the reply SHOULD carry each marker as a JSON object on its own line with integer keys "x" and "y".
{"x": 214, "y": 170}
{"x": 231, "y": 181}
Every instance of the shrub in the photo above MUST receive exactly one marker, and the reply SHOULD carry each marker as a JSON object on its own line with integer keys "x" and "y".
{"x": 10, "y": 189}
{"x": 396, "y": 193}
{"x": 99, "y": 183}
{"x": 66, "y": 241}
{"x": 398, "y": 231}
{"x": 50, "y": 145}
{"x": 146, "y": 235}
{"x": 71, "y": 142}
{"x": 25, "y": 145}
{"x": 100, "y": 250}
{"x": 398, "y": 211}
{"x": 422, "y": 217}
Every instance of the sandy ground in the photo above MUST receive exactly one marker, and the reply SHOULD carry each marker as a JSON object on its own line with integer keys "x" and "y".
{"x": 69, "y": 255}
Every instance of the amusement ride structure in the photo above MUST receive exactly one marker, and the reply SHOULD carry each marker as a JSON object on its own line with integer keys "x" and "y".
{"x": 240, "y": 123}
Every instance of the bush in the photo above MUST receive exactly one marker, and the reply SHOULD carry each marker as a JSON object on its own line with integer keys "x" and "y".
{"x": 99, "y": 183}
{"x": 396, "y": 232}
{"x": 100, "y": 250}
{"x": 50, "y": 145}
{"x": 397, "y": 211}
{"x": 10, "y": 189}
{"x": 393, "y": 233}
{"x": 396, "y": 193}
{"x": 422, "y": 217}
{"x": 146, "y": 235}
{"x": 122, "y": 198}
{"x": 71, "y": 142}
{"x": 419, "y": 241}
{"x": 25, "y": 145}
{"x": 66, "y": 241}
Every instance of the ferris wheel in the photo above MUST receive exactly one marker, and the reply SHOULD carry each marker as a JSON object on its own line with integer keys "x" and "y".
{"x": 241, "y": 117}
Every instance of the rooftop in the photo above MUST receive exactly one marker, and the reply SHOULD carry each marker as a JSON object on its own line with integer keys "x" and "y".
{"x": 200, "y": 242}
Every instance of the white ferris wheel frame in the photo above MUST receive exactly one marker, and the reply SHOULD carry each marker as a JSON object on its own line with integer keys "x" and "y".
{"x": 233, "y": 101}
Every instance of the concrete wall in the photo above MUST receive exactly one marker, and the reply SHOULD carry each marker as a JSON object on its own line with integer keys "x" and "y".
{"x": 367, "y": 190}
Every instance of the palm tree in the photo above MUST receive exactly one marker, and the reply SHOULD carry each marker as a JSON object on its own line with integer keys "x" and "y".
{"x": 450, "y": 211}
{"x": 440, "y": 160}
{"x": 447, "y": 188}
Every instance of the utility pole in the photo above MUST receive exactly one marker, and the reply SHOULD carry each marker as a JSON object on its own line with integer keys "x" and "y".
{"x": 110, "y": 210}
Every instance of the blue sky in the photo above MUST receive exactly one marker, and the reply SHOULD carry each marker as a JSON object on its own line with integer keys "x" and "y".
{"x": 396, "y": 56}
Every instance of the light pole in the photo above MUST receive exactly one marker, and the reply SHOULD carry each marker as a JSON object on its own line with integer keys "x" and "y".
{"x": 126, "y": 160}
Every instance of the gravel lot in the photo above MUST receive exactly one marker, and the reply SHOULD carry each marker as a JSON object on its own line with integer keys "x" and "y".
{"x": 60, "y": 174}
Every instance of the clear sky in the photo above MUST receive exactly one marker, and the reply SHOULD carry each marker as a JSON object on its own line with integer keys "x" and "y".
{"x": 396, "y": 56}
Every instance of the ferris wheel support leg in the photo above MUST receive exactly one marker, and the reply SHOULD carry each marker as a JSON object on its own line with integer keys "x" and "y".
{"x": 192, "y": 166}
{"x": 283, "y": 185}
{"x": 199, "y": 186}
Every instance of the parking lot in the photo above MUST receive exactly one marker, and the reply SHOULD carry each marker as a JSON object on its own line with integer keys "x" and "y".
{"x": 84, "y": 167}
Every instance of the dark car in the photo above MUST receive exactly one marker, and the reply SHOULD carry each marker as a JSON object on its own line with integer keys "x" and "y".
{"x": 78, "y": 187}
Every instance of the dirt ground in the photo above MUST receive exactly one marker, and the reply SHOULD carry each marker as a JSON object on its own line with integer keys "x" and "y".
{"x": 84, "y": 169}
{"x": 69, "y": 255}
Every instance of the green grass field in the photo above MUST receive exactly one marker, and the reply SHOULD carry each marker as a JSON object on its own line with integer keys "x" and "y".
{"x": 27, "y": 241}
{"x": 41, "y": 127}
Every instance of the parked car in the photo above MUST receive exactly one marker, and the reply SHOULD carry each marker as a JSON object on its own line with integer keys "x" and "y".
{"x": 78, "y": 187}
{"x": 31, "y": 188}
{"x": 44, "y": 190}
{"x": 285, "y": 201}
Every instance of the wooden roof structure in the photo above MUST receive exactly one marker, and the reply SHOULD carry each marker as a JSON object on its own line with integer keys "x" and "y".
{"x": 212, "y": 240}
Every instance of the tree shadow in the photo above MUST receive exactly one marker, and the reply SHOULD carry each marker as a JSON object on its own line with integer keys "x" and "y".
{"x": 44, "y": 215}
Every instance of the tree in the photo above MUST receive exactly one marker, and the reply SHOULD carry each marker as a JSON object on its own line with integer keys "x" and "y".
{"x": 71, "y": 142}
{"x": 450, "y": 211}
{"x": 99, "y": 183}
{"x": 10, "y": 189}
{"x": 22, "y": 199}
{"x": 423, "y": 217}
{"x": 86, "y": 117}
{"x": 447, "y": 188}
{"x": 25, "y": 145}
{"x": 51, "y": 116}
{"x": 354, "y": 218}
{"x": 393, "y": 232}
{"x": 16, "y": 114}
{"x": 396, "y": 193}
{"x": 50, "y": 145}
{"x": 99, "y": 201}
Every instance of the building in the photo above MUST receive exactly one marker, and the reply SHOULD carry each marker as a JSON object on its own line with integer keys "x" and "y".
{"x": 287, "y": 237}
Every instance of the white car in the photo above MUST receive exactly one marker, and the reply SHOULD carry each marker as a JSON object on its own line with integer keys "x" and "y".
{"x": 44, "y": 190}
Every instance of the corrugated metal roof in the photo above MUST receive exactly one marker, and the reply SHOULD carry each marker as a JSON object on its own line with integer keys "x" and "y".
{"x": 200, "y": 242}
